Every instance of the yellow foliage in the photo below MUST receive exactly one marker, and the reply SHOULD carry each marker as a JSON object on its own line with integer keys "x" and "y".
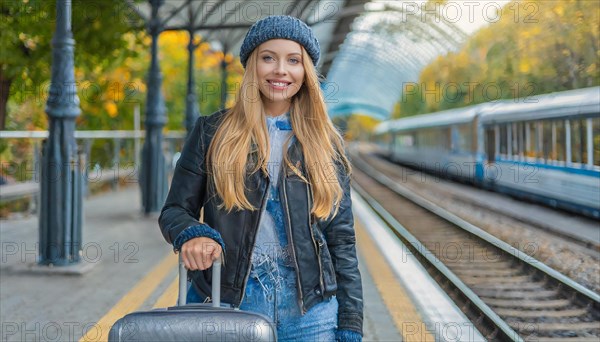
{"x": 360, "y": 126}
{"x": 524, "y": 65}
{"x": 559, "y": 9}
{"x": 111, "y": 108}
{"x": 204, "y": 47}
{"x": 211, "y": 61}
{"x": 591, "y": 69}
{"x": 548, "y": 44}
{"x": 130, "y": 38}
{"x": 140, "y": 85}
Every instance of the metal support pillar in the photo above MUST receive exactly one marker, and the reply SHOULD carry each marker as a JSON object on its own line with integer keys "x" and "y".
{"x": 192, "y": 112}
{"x": 116, "y": 163}
{"x": 87, "y": 151}
{"x": 153, "y": 180}
{"x": 34, "y": 204}
{"x": 60, "y": 218}
{"x": 223, "y": 80}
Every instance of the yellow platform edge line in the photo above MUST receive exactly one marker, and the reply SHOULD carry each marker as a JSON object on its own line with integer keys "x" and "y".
{"x": 132, "y": 300}
{"x": 404, "y": 314}
{"x": 169, "y": 297}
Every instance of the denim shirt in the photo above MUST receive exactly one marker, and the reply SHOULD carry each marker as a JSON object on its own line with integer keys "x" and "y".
{"x": 271, "y": 244}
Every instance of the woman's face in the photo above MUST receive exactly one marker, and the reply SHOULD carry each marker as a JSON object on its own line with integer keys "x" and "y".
{"x": 280, "y": 73}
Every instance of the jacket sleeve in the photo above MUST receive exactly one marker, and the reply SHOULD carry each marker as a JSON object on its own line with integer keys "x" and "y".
{"x": 341, "y": 242}
{"x": 179, "y": 216}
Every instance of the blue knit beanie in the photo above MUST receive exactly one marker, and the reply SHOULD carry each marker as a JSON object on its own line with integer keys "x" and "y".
{"x": 282, "y": 27}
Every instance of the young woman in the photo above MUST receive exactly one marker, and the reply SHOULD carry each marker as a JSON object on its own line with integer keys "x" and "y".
{"x": 274, "y": 183}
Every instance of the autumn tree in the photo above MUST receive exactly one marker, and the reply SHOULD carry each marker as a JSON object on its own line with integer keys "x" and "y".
{"x": 26, "y": 30}
{"x": 535, "y": 47}
{"x": 360, "y": 127}
{"x": 174, "y": 60}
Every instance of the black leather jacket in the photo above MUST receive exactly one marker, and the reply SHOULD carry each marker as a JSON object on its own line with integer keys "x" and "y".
{"x": 323, "y": 250}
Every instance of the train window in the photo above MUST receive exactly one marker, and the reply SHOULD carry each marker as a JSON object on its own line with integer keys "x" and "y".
{"x": 430, "y": 137}
{"x": 503, "y": 139}
{"x": 596, "y": 140}
{"x": 397, "y": 141}
{"x": 509, "y": 137}
{"x": 547, "y": 140}
{"x": 464, "y": 138}
{"x": 405, "y": 140}
{"x": 424, "y": 138}
{"x": 443, "y": 138}
{"x": 559, "y": 141}
{"x": 539, "y": 140}
{"x": 527, "y": 139}
{"x": 421, "y": 139}
{"x": 530, "y": 149}
{"x": 578, "y": 141}
{"x": 521, "y": 140}
{"x": 515, "y": 140}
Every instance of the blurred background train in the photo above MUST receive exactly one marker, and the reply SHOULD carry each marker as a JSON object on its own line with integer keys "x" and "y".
{"x": 542, "y": 148}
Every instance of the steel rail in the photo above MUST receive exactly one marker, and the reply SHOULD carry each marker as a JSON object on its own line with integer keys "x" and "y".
{"x": 459, "y": 222}
{"x": 498, "y": 323}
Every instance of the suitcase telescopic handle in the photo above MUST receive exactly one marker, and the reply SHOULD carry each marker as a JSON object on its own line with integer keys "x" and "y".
{"x": 216, "y": 282}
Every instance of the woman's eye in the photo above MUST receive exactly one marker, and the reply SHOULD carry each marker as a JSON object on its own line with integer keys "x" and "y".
{"x": 294, "y": 60}
{"x": 267, "y": 58}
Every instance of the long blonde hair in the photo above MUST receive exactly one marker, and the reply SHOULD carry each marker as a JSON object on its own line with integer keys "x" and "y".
{"x": 243, "y": 133}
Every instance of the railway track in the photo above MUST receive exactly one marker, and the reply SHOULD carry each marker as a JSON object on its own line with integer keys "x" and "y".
{"x": 397, "y": 171}
{"x": 506, "y": 293}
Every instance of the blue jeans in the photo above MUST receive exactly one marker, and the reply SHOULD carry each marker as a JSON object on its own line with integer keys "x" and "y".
{"x": 272, "y": 292}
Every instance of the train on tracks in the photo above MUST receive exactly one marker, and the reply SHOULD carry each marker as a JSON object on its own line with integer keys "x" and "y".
{"x": 543, "y": 148}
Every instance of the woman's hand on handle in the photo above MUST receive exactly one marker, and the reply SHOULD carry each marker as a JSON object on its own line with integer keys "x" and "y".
{"x": 199, "y": 253}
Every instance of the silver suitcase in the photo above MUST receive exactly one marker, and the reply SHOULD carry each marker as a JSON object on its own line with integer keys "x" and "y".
{"x": 194, "y": 322}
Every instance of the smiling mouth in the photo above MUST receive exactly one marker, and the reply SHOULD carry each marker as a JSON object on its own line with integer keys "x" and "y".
{"x": 279, "y": 84}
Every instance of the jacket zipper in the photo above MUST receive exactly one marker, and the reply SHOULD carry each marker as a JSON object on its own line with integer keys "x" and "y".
{"x": 264, "y": 201}
{"x": 312, "y": 236}
{"x": 289, "y": 230}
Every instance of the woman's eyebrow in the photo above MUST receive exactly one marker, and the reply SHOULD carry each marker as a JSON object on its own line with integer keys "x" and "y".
{"x": 273, "y": 52}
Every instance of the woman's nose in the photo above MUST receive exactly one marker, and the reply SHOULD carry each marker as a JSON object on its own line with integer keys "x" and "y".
{"x": 280, "y": 69}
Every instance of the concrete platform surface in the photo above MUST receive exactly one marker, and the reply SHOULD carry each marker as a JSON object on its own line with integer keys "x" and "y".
{"x": 133, "y": 269}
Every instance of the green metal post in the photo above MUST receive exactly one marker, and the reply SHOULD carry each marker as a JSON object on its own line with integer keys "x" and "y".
{"x": 191, "y": 101}
{"x": 60, "y": 218}
{"x": 153, "y": 180}
{"x": 223, "y": 81}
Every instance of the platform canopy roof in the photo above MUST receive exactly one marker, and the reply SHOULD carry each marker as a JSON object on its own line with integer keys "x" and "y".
{"x": 225, "y": 22}
{"x": 389, "y": 45}
{"x": 369, "y": 49}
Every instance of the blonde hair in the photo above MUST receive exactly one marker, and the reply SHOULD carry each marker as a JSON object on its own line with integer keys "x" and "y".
{"x": 243, "y": 134}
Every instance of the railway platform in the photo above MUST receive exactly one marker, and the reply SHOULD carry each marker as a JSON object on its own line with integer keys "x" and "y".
{"x": 127, "y": 266}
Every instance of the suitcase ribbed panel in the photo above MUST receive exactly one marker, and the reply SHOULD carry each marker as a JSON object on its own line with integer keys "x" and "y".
{"x": 187, "y": 324}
